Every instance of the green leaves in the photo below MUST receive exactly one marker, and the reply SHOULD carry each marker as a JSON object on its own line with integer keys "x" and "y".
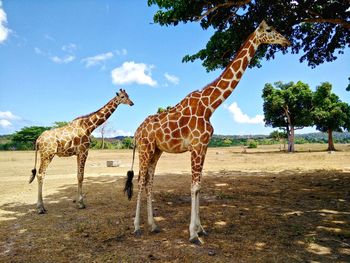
{"x": 319, "y": 29}
{"x": 329, "y": 113}
{"x": 290, "y": 100}
{"x": 29, "y": 134}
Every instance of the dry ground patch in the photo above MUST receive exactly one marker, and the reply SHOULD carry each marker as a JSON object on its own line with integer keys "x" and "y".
{"x": 262, "y": 206}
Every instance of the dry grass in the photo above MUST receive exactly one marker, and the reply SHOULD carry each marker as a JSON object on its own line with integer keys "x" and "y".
{"x": 253, "y": 209}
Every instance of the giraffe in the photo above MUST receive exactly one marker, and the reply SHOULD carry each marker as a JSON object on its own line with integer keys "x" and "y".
{"x": 186, "y": 127}
{"x": 72, "y": 139}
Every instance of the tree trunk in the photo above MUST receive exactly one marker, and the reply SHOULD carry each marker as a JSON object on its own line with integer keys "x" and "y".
{"x": 103, "y": 141}
{"x": 290, "y": 131}
{"x": 291, "y": 147}
{"x": 330, "y": 141}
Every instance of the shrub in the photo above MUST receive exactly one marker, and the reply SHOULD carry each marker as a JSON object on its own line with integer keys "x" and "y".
{"x": 252, "y": 144}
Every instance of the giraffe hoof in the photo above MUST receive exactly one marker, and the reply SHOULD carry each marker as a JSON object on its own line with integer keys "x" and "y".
{"x": 203, "y": 233}
{"x": 81, "y": 206}
{"x": 138, "y": 233}
{"x": 41, "y": 210}
{"x": 196, "y": 241}
{"x": 155, "y": 230}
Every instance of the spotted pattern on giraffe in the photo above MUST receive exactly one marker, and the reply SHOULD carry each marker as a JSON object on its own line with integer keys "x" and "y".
{"x": 186, "y": 127}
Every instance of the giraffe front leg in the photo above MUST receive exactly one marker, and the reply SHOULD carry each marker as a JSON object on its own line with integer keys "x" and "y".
{"x": 197, "y": 161}
{"x": 81, "y": 159}
{"x": 195, "y": 188}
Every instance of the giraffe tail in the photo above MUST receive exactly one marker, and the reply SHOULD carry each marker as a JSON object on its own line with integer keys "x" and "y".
{"x": 128, "y": 189}
{"x": 34, "y": 170}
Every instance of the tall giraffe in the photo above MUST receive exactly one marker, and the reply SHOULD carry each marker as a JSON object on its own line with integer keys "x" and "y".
{"x": 186, "y": 127}
{"x": 72, "y": 139}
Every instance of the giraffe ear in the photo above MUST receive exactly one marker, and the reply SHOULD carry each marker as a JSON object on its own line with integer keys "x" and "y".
{"x": 117, "y": 93}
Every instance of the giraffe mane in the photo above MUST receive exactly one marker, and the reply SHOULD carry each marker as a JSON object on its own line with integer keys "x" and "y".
{"x": 87, "y": 115}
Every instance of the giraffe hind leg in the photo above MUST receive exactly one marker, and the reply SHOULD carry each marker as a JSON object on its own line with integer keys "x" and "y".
{"x": 149, "y": 185}
{"x": 44, "y": 163}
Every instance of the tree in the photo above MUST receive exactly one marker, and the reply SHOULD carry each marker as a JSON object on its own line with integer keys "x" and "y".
{"x": 280, "y": 137}
{"x": 161, "y": 109}
{"x": 102, "y": 130}
{"x": 58, "y": 124}
{"x": 28, "y": 135}
{"x": 317, "y": 28}
{"x": 288, "y": 107}
{"x": 330, "y": 113}
{"x": 127, "y": 143}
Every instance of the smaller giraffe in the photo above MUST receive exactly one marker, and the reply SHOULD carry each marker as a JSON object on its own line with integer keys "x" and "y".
{"x": 72, "y": 139}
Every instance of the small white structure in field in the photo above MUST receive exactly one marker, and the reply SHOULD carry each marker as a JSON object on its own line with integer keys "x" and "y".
{"x": 113, "y": 163}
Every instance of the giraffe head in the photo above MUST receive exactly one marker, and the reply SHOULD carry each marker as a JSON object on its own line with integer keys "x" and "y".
{"x": 268, "y": 35}
{"x": 123, "y": 97}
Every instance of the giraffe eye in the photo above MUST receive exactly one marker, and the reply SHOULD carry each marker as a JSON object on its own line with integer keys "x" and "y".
{"x": 268, "y": 30}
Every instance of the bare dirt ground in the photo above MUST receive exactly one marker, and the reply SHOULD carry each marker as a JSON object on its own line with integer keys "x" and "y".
{"x": 259, "y": 206}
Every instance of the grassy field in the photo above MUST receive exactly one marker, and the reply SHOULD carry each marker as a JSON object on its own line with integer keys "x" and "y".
{"x": 260, "y": 206}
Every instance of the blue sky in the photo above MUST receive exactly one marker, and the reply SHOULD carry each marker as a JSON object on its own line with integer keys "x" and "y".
{"x": 63, "y": 59}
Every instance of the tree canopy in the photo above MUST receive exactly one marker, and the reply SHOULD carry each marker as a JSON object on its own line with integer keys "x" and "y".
{"x": 318, "y": 29}
{"x": 58, "y": 124}
{"x": 28, "y": 135}
{"x": 330, "y": 113}
{"x": 288, "y": 107}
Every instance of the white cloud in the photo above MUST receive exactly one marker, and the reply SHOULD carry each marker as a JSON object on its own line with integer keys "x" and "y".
{"x": 48, "y": 37}
{"x": 97, "y": 60}
{"x": 63, "y": 60}
{"x": 38, "y": 51}
{"x": 131, "y": 72}
{"x": 6, "y": 118}
{"x": 8, "y": 115}
{"x": 122, "y": 52}
{"x": 110, "y": 133}
{"x": 171, "y": 78}
{"x": 241, "y": 117}
{"x": 4, "y": 31}
{"x": 5, "y": 123}
{"x": 70, "y": 48}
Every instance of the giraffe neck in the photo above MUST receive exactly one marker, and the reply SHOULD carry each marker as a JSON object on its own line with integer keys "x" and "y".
{"x": 95, "y": 119}
{"x": 221, "y": 88}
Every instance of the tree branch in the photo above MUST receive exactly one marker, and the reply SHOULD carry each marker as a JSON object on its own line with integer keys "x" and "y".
{"x": 228, "y": 4}
{"x": 337, "y": 21}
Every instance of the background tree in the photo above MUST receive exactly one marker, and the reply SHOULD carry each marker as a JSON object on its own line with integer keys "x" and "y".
{"x": 318, "y": 28}
{"x": 279, "y": 136}
{"x": 58, "y": 124}
{"x": 102, "y": 130}
{"x": 330, "y": 113}
{"x": 161, "y": 109}
{"x": 288, "y": 107}
{"x": 127, "y": 142}
{"x": 28, "y": 135}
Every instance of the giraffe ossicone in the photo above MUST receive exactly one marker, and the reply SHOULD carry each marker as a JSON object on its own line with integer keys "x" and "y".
{"x": 72, "y": 139}
{"x": 186, "y": 127}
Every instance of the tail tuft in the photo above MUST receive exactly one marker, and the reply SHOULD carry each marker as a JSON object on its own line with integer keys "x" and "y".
{"x": 32, "y": 176}
{"x": 128, "y": 189}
